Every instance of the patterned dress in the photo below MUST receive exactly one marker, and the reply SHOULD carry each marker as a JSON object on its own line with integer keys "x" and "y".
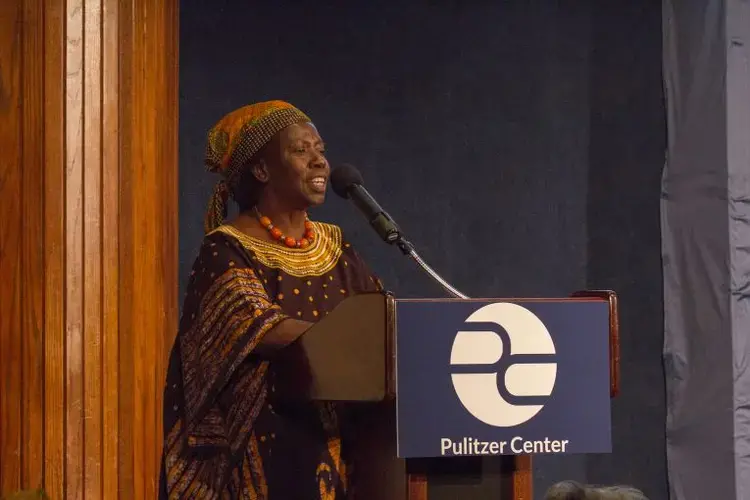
{"x": 225, "y": 434}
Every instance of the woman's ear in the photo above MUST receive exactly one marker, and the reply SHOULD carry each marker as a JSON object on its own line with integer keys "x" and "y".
{"x": 260, "y": 171}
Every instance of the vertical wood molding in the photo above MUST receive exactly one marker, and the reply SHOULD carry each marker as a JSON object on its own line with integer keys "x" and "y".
{"x": 148, "y": 230}
{"x": 88, "y": 248}
{"x": 11, "y": 240}
{"x": 92, "y": 248}
{"x": 110, "y": 245}
{"x": 73, "y": 244}
{"x": 54, "y": 249}
{"x": 32, "y": 249}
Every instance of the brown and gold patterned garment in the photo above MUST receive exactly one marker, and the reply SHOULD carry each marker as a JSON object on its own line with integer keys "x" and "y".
{"x": 225, "y": 435}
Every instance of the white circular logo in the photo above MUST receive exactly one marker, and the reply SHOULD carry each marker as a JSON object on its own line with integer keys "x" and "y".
{"x": 480, "y": 392}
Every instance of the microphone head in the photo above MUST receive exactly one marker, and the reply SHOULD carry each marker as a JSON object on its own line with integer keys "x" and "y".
{"x": 343, "y": 178}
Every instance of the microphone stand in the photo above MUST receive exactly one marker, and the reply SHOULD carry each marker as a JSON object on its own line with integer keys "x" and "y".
{"x": 408, "y": 249}
{"x": 387, "y": 229}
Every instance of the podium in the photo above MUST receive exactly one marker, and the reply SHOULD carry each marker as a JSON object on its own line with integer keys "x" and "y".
{"x": 430, "y": 386}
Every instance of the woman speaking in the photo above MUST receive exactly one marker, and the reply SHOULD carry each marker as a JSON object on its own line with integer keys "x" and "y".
{"x": 259, "y": 282}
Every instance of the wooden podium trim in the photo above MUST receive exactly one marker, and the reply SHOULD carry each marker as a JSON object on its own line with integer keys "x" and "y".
{"x": 610, "y": 297}
{"x": 390, "y": 345}
{"x": 523, "y": 478}
{"x": 416, "y": 487}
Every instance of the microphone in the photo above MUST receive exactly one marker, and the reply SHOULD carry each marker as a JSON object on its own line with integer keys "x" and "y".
{"x": 347, "y": 182}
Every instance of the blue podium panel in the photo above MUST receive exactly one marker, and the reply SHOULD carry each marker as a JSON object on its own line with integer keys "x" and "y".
{"x": 502, "y": 378}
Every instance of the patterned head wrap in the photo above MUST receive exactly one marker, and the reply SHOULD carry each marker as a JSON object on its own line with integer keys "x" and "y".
{"x": 235, "y": 140}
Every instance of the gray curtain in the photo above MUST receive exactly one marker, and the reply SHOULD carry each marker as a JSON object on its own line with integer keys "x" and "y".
{"x": 705, "y": 243}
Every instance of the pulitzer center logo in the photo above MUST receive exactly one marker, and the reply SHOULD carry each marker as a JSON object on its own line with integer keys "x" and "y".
{"x": 513, "y": 397}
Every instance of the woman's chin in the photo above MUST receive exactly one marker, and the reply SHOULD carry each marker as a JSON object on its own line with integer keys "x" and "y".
{"x": 315, "y": 199}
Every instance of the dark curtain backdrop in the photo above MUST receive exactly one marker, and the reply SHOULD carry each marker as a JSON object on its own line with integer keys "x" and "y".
{"x": 520, "y": 146}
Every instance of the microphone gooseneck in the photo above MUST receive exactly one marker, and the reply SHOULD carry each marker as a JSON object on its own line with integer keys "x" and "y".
{"x": 347, "y": 182}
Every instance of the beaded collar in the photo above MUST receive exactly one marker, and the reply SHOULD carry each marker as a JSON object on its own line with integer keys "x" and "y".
{"x": 320, "y": 257}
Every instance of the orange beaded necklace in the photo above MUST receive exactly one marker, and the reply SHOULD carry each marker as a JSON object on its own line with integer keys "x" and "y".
{"x": 276, "y": 233}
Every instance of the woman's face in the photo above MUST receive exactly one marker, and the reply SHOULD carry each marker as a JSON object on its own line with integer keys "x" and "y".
{"x": 296, "y": 170}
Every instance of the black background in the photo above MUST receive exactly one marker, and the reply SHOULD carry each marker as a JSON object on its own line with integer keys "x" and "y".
{"x": 519, "y": 144}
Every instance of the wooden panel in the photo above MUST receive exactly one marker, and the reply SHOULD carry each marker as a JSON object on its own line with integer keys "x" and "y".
{"x": 148, "y": 229}
{"x": 11, "y": 237}
{"x": 74, "y": 279}
{"x": 92, "y": 248}
{"x": 126, "y": 264}
{"x": 110, "y": 246}
{"x": 32, "y": 249}
{"x": 89, "y": 244}
{"x": 54, "y": 248}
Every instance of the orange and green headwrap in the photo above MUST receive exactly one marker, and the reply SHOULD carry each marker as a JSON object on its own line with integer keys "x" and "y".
{"x": 235, "y": 140}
